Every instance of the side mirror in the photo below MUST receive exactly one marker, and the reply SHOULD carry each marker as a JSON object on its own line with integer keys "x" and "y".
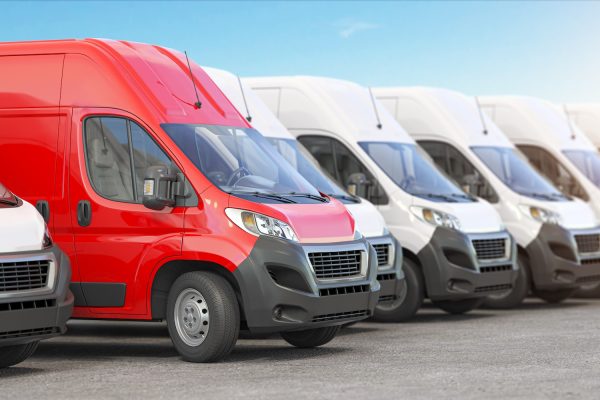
{"x": 472, "y": 183}
{"x": 160, "y": 187}
{"x": 358, "y": 185}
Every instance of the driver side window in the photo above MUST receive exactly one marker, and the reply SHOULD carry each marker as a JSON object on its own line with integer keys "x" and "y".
{"x": 459, "y": 169}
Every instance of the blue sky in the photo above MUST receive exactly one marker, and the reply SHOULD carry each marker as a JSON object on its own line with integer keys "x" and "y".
{"x": 545, "y": 49}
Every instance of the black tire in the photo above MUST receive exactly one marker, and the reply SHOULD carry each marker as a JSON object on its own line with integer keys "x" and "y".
{"x": 516, "y": 295}
{"x": 406, "y": 307}
{"x": 311, "y": 337}
{"x": 554, "y": 296}
{"x": 458, "y": 306}
{"x": 12, "y": 355}
{"x": 222, "y": 310}
{"x": 588, "y": 292}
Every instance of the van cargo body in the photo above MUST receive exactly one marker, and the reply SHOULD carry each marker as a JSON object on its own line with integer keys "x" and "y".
{"x": 470, "y": 147}
{"x": 586, "y": 117}
{"x": 35, "y": 301}
{"x": 170, "y": 206}
{"x": 368, "y": 220}
{"x": 445, "y": 233}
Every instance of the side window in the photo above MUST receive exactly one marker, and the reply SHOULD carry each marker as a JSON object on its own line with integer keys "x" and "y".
{"x": 459, "y": 169}
{"x": 118, "y": 151}
{"x": 547, "y": 165}
{"x": 340, "y": 163}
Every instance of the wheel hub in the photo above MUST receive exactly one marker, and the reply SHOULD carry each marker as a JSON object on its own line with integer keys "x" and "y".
{"x": 192, "y": 318}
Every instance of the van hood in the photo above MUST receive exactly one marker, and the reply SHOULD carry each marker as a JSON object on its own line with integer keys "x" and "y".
{"x": 574, "y": 214}
{"x": 474, "y": 217}
{"x": 368, "y": 220}
{"x": 21, "y": 229}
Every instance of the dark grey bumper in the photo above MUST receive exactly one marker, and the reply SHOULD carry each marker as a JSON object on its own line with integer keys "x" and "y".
{"x": 391, "y": 275}
{"x": 281, "y": 293}
{"x": 453, "y": 272}
{"x": 555, "y": 262}
{"x": 37, "y": 315}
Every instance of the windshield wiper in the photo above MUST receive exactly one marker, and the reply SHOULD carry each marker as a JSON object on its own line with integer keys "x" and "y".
{"x": 347, "y": 197}
{"x": 438, "y": 196}
{"x": 9, "y": 202}
{"x": 264, "y": 195}
{"x": 463, "y": 196}
{"x": 545, "y": 196}
{"x": 307, "y": 195}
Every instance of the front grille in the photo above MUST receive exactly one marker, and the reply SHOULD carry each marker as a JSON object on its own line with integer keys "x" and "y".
{"x": 383, "y": 254}
{"x": 386, "y": 277}
{"x": 590, "y": 261}
{"x": 28, "y": 333}
{"x": 588, "y": 243}
{"x": 17, "y": 276}
{"x": 495, "y": 268}
{"x": 492, "y": 288}
{"x": 588, "y": 279}
{"x": 336, "y": 264}
{"x": 490, "y": 249}
{"x": 27, "y": 305}
{"x": 340, "y": 315}
{"x": 336, "y": 291}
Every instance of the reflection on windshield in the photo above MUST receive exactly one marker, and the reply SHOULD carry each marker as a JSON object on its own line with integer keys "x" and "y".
{"x": 516, "y": 173}
{"x": 306, "y": 166}
{"x": 238, "y": 160}
{"x": 586, "y": 161}
{"x": 413, "y": 171}
{"x": 6, "y": 196}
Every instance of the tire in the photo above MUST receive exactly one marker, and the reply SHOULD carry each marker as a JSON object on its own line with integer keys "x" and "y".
{"x": 208, "y": 303}
{"x": 12, "y": 355}
{"x": 406, "y": 307}
{"x": 311, "y": 337}
{"x": 516, "y": 295}
{"x": 459, "y": 306}
{"x": 588, "y": 292}
{"x": 554, "y": 296}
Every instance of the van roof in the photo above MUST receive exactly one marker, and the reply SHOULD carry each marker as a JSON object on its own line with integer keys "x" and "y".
{"x": 337, "y": 106}
{"x": 586, "y": 116}
{"x": 248, "y": 103}
{"x": 436, "y": 111}
{"x": 135, "y": 77}
{"x": 531, "y": 120}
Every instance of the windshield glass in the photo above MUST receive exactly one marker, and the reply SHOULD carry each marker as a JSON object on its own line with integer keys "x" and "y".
{"x": 299, "y": 158}
{"x": 238, "y": 160}
{"x": 516, "y": 173}
{"x": 588, "y": 162}
{"x": 6, "y": 196}
{"x": 413, "y": 171}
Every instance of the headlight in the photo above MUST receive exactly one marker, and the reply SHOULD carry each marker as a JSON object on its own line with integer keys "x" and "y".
{"x": 47, "y": 240}
{"x": 437, "y": 218}
{"x": 259, "y": 224}
{"x": 540, "y": 214}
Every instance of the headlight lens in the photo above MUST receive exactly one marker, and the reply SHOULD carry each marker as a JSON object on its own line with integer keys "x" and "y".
{"x": 259, "y": 224}
{"x": 540, "y": 214}
{"x": 436, "y": 218}
{"x": 47, "y": 240}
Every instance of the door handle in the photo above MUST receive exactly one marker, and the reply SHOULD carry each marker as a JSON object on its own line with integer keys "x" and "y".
{"x": 84, "y": 213}
{"x": 44, "y": 209}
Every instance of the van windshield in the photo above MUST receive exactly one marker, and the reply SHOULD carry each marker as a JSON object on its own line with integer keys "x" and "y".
{"x": 586, "y": 161}
{"x": 6, "y": 196}
{"x": 414, "y": 172}
{"x": 299, "y": 158}
{"x": 516, "y": 173}
{"x": 242, "y": 162}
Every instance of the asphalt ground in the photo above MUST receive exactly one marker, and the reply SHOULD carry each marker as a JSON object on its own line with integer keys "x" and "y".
{"x": 537, "y": 351}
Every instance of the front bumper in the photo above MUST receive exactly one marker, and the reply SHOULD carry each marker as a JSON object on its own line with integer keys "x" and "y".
{"x": 280, "y": 290}
{"x": 389, "y": 267}
{"x": 557, "y": 263}
{"x": 453, "y": 270}
{"x": 40, "y": 313}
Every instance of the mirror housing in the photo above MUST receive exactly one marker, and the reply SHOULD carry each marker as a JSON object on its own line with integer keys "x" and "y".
{"x": 472, "y": 183}
{"x": 358, "y": 185}
{"x": 160, "y": 187}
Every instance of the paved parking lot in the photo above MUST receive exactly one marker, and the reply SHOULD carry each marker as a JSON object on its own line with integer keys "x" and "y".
{"x": 536, "y": 351}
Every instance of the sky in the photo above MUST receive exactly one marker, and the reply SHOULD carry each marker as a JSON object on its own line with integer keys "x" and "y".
{"x": 543, "y": 49}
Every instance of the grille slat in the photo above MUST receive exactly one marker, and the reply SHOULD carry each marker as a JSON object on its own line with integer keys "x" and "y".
{"x": 490, "y": 249}
{"x": 336, "y": 264}
{"x": 23, "y": 275}
{"x": 341, "y": 315}
{"x": 336, "y": 291}
{"x": 383, "y": 254}
{"x": 589, "y": 243}
{"x": 492, "y": 288}
{"x": 27, "y": 333}
{"x": 386, "y": 277}
{"x": 495, "y": 268}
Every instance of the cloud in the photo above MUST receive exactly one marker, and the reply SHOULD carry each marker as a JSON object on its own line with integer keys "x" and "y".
{"x": 349, "y": 28}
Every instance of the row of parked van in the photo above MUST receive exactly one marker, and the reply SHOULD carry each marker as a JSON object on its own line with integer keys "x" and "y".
{"x": 288, "y": 204}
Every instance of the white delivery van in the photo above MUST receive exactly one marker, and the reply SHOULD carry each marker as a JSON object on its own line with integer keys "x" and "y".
{"x": 546, "y": 224}
{"x": 35, "y": 300}
{"x": 456, "y": 249}
{"x": 586, "y": 117}
{"x": 370, "y": 222}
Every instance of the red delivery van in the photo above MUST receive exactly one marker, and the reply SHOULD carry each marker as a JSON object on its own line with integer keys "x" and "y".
{"x": 170, "y": 206}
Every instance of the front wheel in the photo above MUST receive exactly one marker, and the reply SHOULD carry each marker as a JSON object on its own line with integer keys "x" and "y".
{"x": 554, "y": 296}
{"x": 514, "y": 296}
{"x": 458, "y": 306}
{"x": 203, "y": 317}
{"x": 311, "y": 337}
{"x": 409, "y": 299}
{"x": 12, "y": 355}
